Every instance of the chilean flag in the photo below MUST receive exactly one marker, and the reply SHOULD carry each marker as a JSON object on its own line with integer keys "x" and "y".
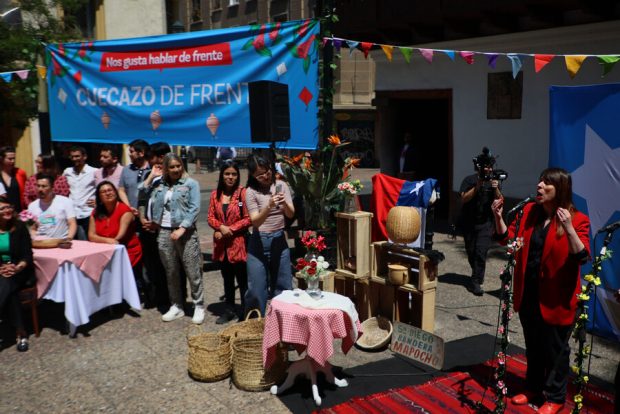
{"x": 388, "y": 192}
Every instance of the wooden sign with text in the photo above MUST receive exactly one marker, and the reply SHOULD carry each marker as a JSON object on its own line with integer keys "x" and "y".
{"x": 419, "y": 345}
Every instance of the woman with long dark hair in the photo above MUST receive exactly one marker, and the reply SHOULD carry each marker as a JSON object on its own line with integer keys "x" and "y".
{"x": 228, "y": 216}
{"x": 16, "y": 267}
{"x": 113, "y": 222}
{"x": 269, "y": 260}
{"x": 554, "y": 242}
{"x": 175, "y": 206}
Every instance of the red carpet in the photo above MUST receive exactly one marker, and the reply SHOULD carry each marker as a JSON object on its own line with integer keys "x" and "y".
{"x": 462, "y": 392}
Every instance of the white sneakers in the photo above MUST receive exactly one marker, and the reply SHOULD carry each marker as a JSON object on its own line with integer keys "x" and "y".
{"x": 173, "y": 313}
{"x": 199, "y": 315}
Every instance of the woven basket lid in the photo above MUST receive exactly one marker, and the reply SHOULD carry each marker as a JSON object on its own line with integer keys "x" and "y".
{"x": 403, "y": 224}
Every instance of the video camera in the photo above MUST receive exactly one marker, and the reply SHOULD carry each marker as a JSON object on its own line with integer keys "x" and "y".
{"x": 486, "y": 160}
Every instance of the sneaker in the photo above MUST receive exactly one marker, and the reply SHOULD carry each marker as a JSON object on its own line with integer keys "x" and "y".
{"x": 173, "y": 313}
{"x": 225, "y": 317}
{"x": 199, "y": 315}
{"x": 476, "y": 289}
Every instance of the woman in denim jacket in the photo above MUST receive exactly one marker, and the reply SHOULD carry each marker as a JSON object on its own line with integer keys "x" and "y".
{"x": 175, "y": 206}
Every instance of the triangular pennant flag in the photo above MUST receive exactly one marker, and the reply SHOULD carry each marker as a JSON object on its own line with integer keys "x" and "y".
{"x": 352, "y": 46}
{"x": 6, "y": 76}
{"x": 608, "y": 63}
{"x": 450, "y": 53}
{"x": 492, "y": 59}
{"x": 515, "y": 60}
{"x": 42, "y": 71}
{"x": 427, "y": 54}
{"x": 406, "y": 53}
{"x": 23, "y": 74}
{"x": 388, "y": 51}
{"x": 324, "y": 41}
{"x": 365, "y": 46}
{"x": 467, "y": 57}
{"x": 337, "y": 44}
{"x": 573, "y": 64}
{"x": 540, "y": 61}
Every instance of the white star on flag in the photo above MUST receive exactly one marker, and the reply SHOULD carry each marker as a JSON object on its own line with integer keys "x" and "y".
{"x": 597, "y": 180}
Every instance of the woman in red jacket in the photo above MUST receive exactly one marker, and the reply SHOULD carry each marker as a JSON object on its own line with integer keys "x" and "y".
{"x": 554, "y": 243}
{"x": 229, "y": 217}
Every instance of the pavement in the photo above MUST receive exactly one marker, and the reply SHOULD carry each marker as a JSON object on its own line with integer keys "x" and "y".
{"x": 125, "y": 361}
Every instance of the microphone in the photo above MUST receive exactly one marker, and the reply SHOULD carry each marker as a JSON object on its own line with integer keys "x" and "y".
{"x": 610, "y": 227}
{"x": 521, "y": 204}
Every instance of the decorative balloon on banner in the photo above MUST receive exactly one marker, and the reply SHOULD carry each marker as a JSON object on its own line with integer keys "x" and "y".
{"x": 213, "y": 124}
{"x": 155, "y": 119}
{"x": 105, "y": 120}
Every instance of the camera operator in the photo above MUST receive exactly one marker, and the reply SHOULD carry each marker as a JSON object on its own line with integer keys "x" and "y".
{"x": 477, "y": 193}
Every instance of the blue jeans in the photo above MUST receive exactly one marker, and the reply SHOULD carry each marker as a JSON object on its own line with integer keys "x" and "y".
{"x": 269, "y": 269}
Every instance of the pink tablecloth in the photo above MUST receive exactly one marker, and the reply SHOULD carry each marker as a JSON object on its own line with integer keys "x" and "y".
{"x": 311, "y": 329}
{"x": 90, "y": 258}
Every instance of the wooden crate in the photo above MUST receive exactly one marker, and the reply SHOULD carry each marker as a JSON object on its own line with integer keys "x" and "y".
{"x": 422, "y": 272}
{"x": 353, "y": 241}
{"x": 402, "y": 303}
{"x": 326, "y": 281}
{"x": 356, "y": 289}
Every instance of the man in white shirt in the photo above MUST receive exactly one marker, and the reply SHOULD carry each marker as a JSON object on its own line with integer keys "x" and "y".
{"x": 55, "y": 214}
{"x": 110, "y": 169}
{"x": 81, "y": 179}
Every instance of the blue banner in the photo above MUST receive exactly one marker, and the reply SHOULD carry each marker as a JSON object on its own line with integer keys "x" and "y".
{"x": 185, "y": 89}
{"x": 585, "y": 141}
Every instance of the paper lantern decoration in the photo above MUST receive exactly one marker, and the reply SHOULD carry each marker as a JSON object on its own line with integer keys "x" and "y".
{"x": 105, "y": 120}
{"x": 155, "y": 119}
{"x": 213, "y": 124}
{"x": 403, "y": 224}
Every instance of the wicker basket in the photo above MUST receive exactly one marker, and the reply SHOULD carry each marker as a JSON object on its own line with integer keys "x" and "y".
{"x": 403, "y": 224}
{"x": 248, "y": 327}
{"x": 247, "y": 361}
{"x": 377, "y": 333}
{"x": 209, "y": 355}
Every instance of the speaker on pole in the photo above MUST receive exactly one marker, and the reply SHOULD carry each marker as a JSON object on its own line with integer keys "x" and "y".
{"x": 269, "y": 111}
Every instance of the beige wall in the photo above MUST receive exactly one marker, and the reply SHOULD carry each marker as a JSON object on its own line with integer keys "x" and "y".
{"x": 134, "y": 18}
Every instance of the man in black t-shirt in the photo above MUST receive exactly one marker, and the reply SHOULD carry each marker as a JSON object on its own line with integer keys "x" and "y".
{"x": 477, "y": 193}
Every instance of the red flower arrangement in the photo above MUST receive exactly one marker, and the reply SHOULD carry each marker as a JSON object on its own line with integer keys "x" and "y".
{"x": 312, "y": 268}
{"x": 313, "y": 242}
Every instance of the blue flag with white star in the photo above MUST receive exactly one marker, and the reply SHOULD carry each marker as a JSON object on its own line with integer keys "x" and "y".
{"x": 585, "y": 140}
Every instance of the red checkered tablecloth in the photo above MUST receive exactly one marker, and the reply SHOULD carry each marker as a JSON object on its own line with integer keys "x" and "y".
{"x": 313, "y": 330}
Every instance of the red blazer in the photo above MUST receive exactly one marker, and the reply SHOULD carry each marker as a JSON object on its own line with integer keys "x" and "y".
{"x": 558, "y": 281}
{"x": 237, "y": 218}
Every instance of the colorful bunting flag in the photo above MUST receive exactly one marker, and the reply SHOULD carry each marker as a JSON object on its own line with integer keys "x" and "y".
{"x": 540, "y": 61}
{"x": 607, "y": 62}
{"x": 467, "y": 57}
{"x": 492, "y": 58}
{"x": 406, "y": 53}
{"x": 352, "y": 46}
{"x": 515, "y": 60}
{"x": 573, "y": 64}
{"x": 324, "y": 41}
{"x": 388, "y": 51}
{"x": 6, "y": 76}
{"x": 42, "y": 71}
{"x": 337, "y": 44}
{"x": 427, "y": 54}
{"x": 365, "y": 46}
{"x": 450, "y": 54}
{"x": 23, "y": 74}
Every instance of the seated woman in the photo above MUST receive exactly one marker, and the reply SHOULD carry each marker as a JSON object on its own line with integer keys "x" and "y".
{"x": 16, "y": 267}
{"x": 113, "y": 222}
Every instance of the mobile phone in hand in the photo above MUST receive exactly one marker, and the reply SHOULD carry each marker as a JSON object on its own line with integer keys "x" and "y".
{"x": 278, "y": 188}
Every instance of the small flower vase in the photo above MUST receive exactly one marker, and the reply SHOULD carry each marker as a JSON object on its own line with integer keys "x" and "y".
{"x": 312, "y": 288}
{"x": 350, "y": 206}
{"x": 310, "y": 256}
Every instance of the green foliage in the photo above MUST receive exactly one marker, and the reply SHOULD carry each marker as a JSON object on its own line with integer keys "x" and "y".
{"x": 22, "y": 47}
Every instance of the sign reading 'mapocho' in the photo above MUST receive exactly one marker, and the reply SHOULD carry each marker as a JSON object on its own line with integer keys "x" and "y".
{"x": 419, "y": 345}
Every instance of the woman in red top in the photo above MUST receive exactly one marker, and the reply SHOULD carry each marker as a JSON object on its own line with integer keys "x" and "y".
{"x": 229, "y": 217}
{"x": 46, "y": 164}
{"x": 13, "y": 178}
{"x": 113, "y": 222}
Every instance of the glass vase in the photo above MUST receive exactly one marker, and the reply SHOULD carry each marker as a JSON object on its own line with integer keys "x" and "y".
{"x": 312, "y": 288}
{"x": 350, "y": 206}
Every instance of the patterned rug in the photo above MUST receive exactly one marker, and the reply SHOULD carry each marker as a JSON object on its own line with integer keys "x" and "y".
{"x": 462, "y": 392}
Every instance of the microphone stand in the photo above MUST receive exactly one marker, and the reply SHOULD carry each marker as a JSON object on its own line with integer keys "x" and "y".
{"x": 505, "y": 314}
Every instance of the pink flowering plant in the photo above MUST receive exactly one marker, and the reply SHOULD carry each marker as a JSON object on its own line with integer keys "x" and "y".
{"x": 27, "y": 217}
{"x": 350, "y": 188}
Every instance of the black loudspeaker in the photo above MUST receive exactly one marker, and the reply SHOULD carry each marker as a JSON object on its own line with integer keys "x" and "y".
{"x": 269, "y": 111}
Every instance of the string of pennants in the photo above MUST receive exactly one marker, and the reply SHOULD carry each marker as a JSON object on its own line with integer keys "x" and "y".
{"x": 573, "y": 62}
{"x": 23, "y": 74}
